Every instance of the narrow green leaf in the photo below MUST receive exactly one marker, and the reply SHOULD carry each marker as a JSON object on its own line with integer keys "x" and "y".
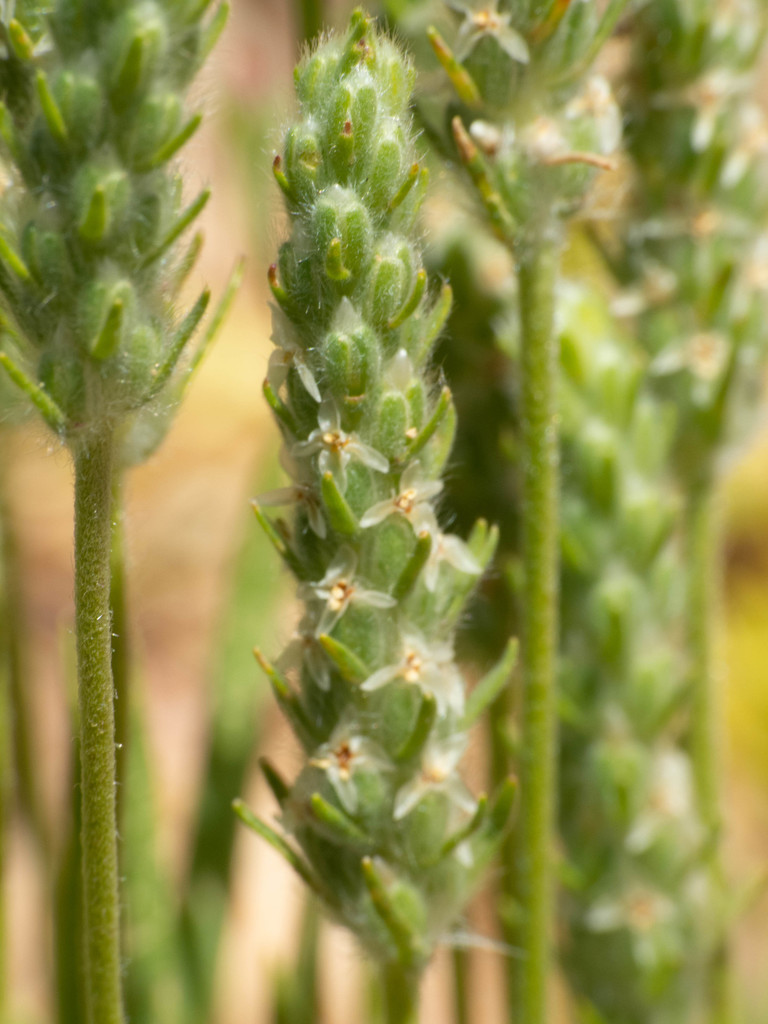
{"x": 398, "y": 928}
{"x": 425, "y": 719}
{"x": 279, "y": 408}
{"x": 212, "y": 31}
{"x": 280, "y": 788}
{"x": 44, "y": 404}
{"x": 179, "y": 342}
{"x": 412, "y": 302}
{"x": 472, "y": 826}
{"x": 276, "y": 841}
{"x": 491, "y": 685}
{"x": 13, "y": 261}
{"x": 414, "y": 565}
{"x": 277, "y": 540}
{"x": 95, "y": 222}
{"x": 50, "y": 109}
{"x": 108, "y": 339}
{"x": 340, "y": 515}
{"x": 461, "y": 80}
{"x": 287, "y": 699}
{"x": 171, "y": 147}
{"x": 427, "y": 431}
{"x": 191, "y": 214}
{"x": 22, "y": 45}
{"x": 335, "y": 824}
{"x": 218, "y": 318}
{"x": 352, "y": 668}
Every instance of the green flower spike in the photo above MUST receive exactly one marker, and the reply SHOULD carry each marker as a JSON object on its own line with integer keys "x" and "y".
{"x": 89, "y": 266}
{"x": 91, "y": 115}
{"x": 378, "y": 821}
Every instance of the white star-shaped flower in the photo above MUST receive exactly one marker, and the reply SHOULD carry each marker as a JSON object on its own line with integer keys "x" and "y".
{"x": 338, "y": 589}
{"x": 447, "y": 548}
{"x": 342, "y": 756}
{"x": 412, "y": 500}
{"x": 670, "y": 799}
{"x": 336, "y": 447}
{"x": 429, "y": 666}
{"x": 286, "y": 355}
{"x": 487, "y": 20}
{"x": 437, "y": 774}
{"x": 298, "y": 494}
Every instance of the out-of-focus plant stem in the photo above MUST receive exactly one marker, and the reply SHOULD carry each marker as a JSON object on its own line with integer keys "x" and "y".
{"x": 706, "y": 737}
{"x": 401, "y": 995}
{"x": 6, "y": 739}
{"x": 537, "y": 259}
{"x": 310, "y": 17}
{"x": 94, "y": 468}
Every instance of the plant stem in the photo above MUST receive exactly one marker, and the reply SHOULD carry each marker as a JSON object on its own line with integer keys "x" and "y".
{"x": 94, "y": 460}
{"x": 121, "y": 650}
{"x": 401, "y": 995}
{"x": 537, "y": 258}
{"x": 460, "y": 960}
{"x": 310, "y": 18}
{"x": 704, "y": 588}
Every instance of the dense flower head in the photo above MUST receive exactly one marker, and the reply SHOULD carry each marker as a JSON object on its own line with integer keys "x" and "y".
{"x": 89, "y": 265}
{"x": 370, "y": 682}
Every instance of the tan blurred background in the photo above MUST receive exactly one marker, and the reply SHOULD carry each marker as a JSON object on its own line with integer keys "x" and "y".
{"x": 187, "y": 513}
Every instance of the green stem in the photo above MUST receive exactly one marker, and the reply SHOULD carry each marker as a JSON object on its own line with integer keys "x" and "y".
{"x": 460, "y": 988}
{"x": 121, "y": 660}
{"x": 401, "y": 994}
{"x": 704, "y": 589}
{"x": 537, "y": 259}
{"x": 6, "y": 765}
{"x": 310, "y": 18}
{"x": 93, "y": 505}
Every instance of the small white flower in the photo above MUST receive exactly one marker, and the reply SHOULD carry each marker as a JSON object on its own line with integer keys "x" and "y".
{"x": 298, "y": 494}
{"x": 429, "y": 666}
{"x": 411, "y": 501}
{"x": 338, "y": 590}
{"x": 670, "y": 799}
{"x": 704, "y": 355}
{"x": 304, "y": 649}
{"x": 438, "y": 774}
{"x": 596, "y": 102}
{"x": 488, "y": 21}
{"x": 447, "y": 548}
{"x": 341, "y": 757}
{"x": 753, "y": 143}
{"x": 640, "y": 909}
{"x": 542, "y": 140}
{"x": 288, "y": 354}
{"x": 709, "y": 96}
{"x": 336, "y": 447}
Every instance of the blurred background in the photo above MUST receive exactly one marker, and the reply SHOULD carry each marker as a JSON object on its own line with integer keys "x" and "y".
{"x": 204, "y": 588}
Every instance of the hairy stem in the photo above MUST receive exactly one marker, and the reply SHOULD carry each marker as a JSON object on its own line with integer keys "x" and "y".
{"x": 704, "y": 584}
{"x": 401, "y": 995}
{"x": 93, "y": 505}
{"x": 121, "y": 653}
{"x": 537, "y": 269}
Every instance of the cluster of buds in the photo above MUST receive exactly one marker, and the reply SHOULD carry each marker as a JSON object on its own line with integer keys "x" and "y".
{"x": 383, "y": 828}
{"x": 89, "y": 266}
{"x": 534, "y": 125}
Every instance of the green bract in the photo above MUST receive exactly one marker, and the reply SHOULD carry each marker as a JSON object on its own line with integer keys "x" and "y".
{"x": 388, "y": 834}
{"x": 89, "y": 265}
